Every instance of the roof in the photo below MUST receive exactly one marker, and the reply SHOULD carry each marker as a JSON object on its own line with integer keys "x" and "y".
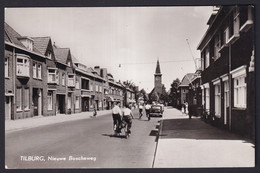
{"x": 75, "y": 60}
{"x": 187, "y": 79}
{"x": 41, "y": 43}
{"x": 61, "y": 54}
{"x": 12, "y": 36}
{"x": 158, "y": 70}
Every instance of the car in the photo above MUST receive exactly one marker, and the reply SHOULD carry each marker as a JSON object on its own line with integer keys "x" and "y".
{"x": 156, "y": 110}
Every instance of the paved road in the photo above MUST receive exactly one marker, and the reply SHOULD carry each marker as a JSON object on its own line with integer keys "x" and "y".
{"x": 89, "y": 140}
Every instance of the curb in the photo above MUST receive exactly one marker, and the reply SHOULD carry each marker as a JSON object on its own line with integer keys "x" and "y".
{"x": 158, "y": 138}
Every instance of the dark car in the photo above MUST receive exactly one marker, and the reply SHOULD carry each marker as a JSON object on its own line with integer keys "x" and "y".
{"x": 156, "y": 110}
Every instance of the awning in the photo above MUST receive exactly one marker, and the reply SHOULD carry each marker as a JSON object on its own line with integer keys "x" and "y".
{"x": 86, "y": 95}
{"x": 109, "y": 98}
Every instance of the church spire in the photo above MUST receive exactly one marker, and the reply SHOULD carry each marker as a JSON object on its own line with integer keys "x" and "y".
{"x": 158, "y": 70}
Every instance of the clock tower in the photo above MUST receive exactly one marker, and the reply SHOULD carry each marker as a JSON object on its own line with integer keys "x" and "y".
{"x": 158, "y": 79}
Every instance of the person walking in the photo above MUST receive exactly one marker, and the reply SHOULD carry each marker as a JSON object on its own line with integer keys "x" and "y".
{"x": 147, "y": 111}
{"x": 140, "y": 111}
{"x": 116, "y": 114}
{"x": 127, "y": 117}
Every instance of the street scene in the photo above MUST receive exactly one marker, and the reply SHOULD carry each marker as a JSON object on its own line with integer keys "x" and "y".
{"x": 129, "y": 87}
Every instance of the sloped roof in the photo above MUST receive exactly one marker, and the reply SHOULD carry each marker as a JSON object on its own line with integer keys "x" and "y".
{"x": 41, "y": 43}
{"x": 187, "y": 79}
{"x": 74, "y": 59}
{"x": 13, "y": 37}
{"x": 158, "y": 70}
{"x": 61, "y": 54}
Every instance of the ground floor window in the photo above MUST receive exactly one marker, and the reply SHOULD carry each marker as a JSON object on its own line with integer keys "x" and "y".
{"x": 50, "y": 100}
{"x": 240, "y": 87}
{"x": 19, "y": 99}
{"x": 217, "y": 101}
{"x": 77, "y": 102}
{"x": 69, "y": 101}
{"x": 26, "y": 99}
{"x": 207, "y": 99}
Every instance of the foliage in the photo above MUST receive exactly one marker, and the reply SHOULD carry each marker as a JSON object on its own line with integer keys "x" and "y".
{"x": 173, "y": 92}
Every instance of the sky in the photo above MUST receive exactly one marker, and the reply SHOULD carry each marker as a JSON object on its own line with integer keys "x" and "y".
{"x": 126, "y": 40}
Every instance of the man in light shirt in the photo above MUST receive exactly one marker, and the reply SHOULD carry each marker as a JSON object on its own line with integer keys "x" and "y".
{"x": 147, "y": 111}
{"x": 116, "y": 113}
{"x": 127, "y": 115}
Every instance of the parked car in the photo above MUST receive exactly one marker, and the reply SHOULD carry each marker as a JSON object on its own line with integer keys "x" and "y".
{"x": 156, "y": 110}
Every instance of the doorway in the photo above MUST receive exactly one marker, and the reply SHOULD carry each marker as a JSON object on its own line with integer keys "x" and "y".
{"x": 60, "y": 104}
{"x": 37, "y": 101}
{"x": 8, "y": 107}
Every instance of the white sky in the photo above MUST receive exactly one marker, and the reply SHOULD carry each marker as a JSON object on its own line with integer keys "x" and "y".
{"x": 131, "y": 36}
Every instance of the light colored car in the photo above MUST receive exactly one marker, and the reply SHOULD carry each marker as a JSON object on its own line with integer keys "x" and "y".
{"x": 156, "y": 110}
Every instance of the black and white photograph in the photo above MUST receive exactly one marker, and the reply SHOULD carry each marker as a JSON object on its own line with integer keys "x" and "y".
{"x": 129, "y": 87}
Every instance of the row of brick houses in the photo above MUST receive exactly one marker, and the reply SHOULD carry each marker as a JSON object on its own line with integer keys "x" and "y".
{"x": 224, "y": 87}
{"x": 43, "y": 79}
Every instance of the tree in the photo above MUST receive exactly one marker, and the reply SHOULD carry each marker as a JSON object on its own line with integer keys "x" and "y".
{"x": 164, "y": 97}
{"x": 154, "y": 97}
{"x": 173, "y": 92}
{"x": 144, "y": 94}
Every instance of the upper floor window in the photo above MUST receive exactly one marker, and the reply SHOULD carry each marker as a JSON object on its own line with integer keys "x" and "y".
{"x": 207, "y": 58}
{"x": 85, "y": 84}
{"x": 226, "y": 35}
{"x": 57, "y": 77}
{"x": 77, "y": 83}
{"x": 22, "y": 66}
{"x": 52, "y": 75}
{"x": 39, "y": 71}
{"x": 71, "y": 80}
{"x": 217, "y": 45}
{"x": 63, "y": 79}
{"x": 34, "y": 70}
{"x": 49, "y": 55}
{"x": 6, "y": 67}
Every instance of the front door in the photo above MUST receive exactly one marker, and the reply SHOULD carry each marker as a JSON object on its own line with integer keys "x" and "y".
{"x": 8, "y": 107}
{"x": 226, "y": 101}
{"x": 35, "y": 101}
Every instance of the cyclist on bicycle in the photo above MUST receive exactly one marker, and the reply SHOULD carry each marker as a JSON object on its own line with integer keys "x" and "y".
{"x": 127, "y": 117}
{"x": 116, "y": 113}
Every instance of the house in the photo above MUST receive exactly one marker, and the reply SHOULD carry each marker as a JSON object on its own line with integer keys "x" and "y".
{"x": 24, "y": 76}
{"x": 183, "y": 90}
{"x": 44, "y": 45}
{"x": 63, "y": 77}
{"x": 227, "y": 56}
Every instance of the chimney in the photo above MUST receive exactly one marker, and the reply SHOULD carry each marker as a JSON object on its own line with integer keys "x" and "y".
{"x": 97, "y": 69}
{"x": 104, "y": 72}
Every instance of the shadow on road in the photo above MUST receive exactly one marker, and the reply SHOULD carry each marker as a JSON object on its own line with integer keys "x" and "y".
{"x": 113, "y": 135}
{"x": 195, "y": 129}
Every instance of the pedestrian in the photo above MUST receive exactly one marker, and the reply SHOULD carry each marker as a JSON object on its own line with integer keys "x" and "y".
{"x": 127, "y": 117}
{"x": 116, "y": 114}
{"x": 94, "y": 112}
{"x": 140, "y": 111}
{"x": 147, "y": 111}
{"x": 183, "y": 108}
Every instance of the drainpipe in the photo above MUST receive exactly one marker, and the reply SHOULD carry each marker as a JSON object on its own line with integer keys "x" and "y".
{"x": 14, "y": 87}
{"x": 230, "y": 86}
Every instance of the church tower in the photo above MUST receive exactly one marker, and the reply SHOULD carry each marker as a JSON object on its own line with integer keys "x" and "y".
{"x": 158, "y": 79}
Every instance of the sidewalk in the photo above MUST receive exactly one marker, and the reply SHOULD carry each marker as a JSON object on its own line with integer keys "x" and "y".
{"x": 14, "y": 125}
{"x": 185, "y": 143}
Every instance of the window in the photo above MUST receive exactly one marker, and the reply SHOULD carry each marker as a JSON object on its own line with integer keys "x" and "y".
{"x": 77, "y": 102}
{"x": 240, "y": 92}
{"x": 51, "y": 75}
{"x": 57, "y": 77}
{"x": 207, "y": 99}
{"x": 19, "y": 99}
{"x": 63, "y": 79}
{"x": 91, "y": 87}
{"x": 71, "y": 80}
{"x": 34, "y": 70}
{"x": 50, "y": 99}
{"x": 49, "y": 55}
{"x": 6, "y": 67}
{"x": 206, "y": 57}
{"x": 217, "y": 45}
{"x": 77, "y": 83}
{"x": 26, "y": 99}
{"x": 39, "y": 71}
{"x": 85, "y": 84}
{"x": 226, "y": 35}
{"x": 202, "y": 95}
{"x": 69, "y": 101}
{"x": 217, "y": 101}
{"x": 22, "y": 66}
{"x": 96, "y": 88}
{"x": 240, "y": 88}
